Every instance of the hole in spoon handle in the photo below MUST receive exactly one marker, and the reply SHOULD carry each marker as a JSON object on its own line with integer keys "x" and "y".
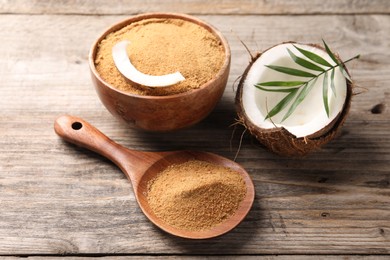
{"x": 78, "y": 131}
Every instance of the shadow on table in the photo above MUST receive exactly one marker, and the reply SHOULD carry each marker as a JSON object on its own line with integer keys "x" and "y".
{"x": 212, "y": 134}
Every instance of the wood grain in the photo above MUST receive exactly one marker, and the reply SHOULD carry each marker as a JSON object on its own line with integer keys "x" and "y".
{"x": 58, "y": 199}
{"x": 102, "y": 7}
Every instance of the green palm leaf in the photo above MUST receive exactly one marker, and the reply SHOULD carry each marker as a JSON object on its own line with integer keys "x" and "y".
{"x": 301, "y": 96}
{"x": 325, "y": 88}
{"x": 282, "y": 104}
{"x": 345, "y": 73}
{"x": 333, "y": 57}
{"x": 304, "y": 63}
{"x": 290, "y": 71}
{"x": 281, "y": 83}
{"x": 284, "y": 90}
{"x": 314, "y": 57}
{"x": 332, "y": 82}
{"x": 330, "y": 53}
{"x": 300, "y": 89}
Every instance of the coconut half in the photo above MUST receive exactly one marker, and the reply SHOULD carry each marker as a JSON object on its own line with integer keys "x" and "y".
{"x": 309, "y": 126}
{"x": 127, "y": 69}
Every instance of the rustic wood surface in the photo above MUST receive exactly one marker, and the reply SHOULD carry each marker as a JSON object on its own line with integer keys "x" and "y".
{"x": 57, "y": 199}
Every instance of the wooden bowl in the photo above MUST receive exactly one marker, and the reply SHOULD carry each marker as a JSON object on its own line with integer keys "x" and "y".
{"x": 162, "y": 113}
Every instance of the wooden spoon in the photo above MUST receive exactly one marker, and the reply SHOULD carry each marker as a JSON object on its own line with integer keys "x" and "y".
{"x": 140, "y": 167}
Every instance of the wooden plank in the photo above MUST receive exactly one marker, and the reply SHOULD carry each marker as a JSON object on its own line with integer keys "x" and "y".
{"x": 102, "y": 7}
{"x": 262, "y": 257}
{"x": 59, "y": 199}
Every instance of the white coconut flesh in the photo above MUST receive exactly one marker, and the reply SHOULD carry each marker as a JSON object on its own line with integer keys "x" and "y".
{"x": 310, "y": 115}
{"x": 128, "y": 70}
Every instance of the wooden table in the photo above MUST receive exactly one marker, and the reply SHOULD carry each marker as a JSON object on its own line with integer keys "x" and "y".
{"x": 57, "y": 199}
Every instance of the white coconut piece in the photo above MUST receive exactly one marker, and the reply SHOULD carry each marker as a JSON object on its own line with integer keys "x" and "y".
{"x": 127, "y": 69}
{"x": 309, "y": 116}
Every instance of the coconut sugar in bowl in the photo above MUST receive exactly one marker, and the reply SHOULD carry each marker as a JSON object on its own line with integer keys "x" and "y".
{"x": 161, "y": 44}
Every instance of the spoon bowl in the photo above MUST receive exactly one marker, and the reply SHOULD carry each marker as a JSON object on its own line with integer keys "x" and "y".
{"x": 141, "y": 167}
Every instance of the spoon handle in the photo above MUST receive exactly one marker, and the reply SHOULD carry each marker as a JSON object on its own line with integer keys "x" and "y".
{"x": 77, "y": 131}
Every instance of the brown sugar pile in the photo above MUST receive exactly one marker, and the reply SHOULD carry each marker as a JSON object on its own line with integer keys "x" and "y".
{"x": 196, "y": 195}
{"x": 161, "y": 46}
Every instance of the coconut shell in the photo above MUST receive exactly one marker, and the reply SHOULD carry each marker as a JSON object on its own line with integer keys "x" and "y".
{"x": 281, "y": 141}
